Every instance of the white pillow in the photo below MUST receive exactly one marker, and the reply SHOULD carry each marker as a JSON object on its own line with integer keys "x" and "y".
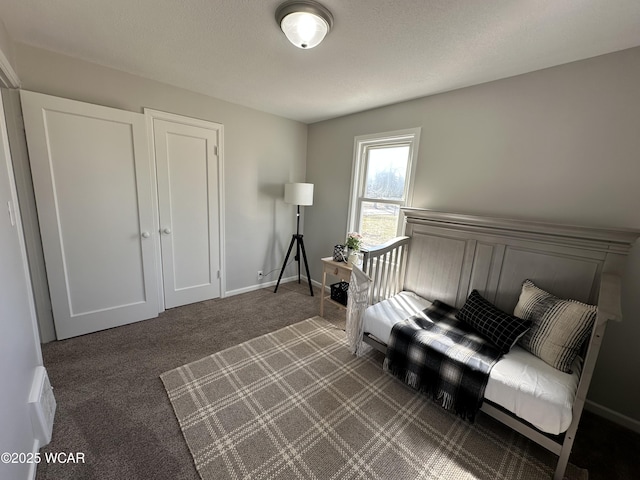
{"x": 559, "y": 327}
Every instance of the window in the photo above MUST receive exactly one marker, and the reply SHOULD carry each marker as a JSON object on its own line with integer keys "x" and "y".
{"x": 382, "y": 183}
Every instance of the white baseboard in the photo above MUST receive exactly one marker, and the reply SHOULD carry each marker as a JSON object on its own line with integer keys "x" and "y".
{"x": 615, "y": 417}
{"x": 261, "y": 285}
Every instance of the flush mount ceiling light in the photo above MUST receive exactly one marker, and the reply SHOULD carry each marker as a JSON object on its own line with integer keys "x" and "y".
{"x": 304, "y": 22}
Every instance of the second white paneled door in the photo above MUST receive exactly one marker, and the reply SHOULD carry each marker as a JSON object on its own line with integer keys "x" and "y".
{"x": 188, "y": 162}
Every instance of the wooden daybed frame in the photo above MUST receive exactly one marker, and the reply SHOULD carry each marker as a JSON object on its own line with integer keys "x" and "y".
{"x": 444, "y": 256}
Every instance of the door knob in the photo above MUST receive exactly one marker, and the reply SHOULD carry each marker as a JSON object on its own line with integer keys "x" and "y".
{"x": 166, "y": 231}
{"x": 146, "y": 234}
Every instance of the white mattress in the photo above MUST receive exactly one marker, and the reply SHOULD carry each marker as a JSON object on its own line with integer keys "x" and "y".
{"x": 519, "y": 381}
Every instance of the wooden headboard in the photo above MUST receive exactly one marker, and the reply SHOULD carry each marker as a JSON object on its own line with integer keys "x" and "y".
{"x": 452, "y": 254}
{"x": 449, "y": 255}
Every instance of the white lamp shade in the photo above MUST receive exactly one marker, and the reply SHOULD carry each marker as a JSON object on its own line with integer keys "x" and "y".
{"x": 298, "y": 193}
{"x": 303, "y": 29}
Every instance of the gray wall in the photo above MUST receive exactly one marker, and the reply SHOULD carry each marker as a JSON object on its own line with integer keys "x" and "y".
{"x": 6, "y": 46}
{"x": 262, "y": 152}
{"x": 559, "y": 145}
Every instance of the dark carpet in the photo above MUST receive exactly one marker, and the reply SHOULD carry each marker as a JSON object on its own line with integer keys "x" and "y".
{"x": 113, "y": 408}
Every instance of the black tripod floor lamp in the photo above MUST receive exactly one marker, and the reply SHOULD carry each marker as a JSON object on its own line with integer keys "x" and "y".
{"x": 297, "y": 194}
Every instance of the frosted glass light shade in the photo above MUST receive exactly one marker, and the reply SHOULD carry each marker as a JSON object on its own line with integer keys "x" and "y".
{"x": 298, "y": 193}
{"x": 304, "y": 30}
{"x": 304, "y": 22}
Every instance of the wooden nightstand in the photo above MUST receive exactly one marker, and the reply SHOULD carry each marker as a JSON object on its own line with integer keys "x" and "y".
{"x": 341, "y": 270}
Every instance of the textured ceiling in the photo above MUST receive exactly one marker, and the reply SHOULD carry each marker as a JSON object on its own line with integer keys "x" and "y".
{"x": 379, "y": 51}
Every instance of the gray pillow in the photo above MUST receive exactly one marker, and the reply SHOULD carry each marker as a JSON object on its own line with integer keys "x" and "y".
{"x": 559, "y": 327}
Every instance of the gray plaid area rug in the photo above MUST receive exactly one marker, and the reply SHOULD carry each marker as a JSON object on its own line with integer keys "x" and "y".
{"x": 295, "y": 404}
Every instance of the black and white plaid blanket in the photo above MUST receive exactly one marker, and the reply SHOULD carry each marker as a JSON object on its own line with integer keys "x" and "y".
{"x": 442, "y": 356}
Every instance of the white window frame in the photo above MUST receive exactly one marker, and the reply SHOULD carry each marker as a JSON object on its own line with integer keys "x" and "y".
{"x": 361, "y": 146}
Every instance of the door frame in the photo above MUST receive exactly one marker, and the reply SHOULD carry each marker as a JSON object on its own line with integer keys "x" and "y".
{"x": 29, "y": 212}
{"x": 15, "y": 214}
{"x": 150, "y": 115}
{"x": 8, "y": 76}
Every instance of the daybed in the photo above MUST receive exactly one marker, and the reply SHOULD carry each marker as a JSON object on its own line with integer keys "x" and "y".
{"x": 446, "y": 256}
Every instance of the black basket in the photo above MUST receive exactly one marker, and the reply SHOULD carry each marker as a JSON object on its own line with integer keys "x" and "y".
{"x": 339, "y": 292}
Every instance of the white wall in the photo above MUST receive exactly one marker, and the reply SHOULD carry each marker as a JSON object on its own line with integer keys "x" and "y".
{"x": 262, "y": 152}
{"x": 559, "y": 145}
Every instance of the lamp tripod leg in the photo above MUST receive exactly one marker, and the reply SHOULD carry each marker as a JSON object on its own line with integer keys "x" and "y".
{"x": 284, "y": 264}
{"x": 306, "y": 265}
{"x": 298, "y": 254}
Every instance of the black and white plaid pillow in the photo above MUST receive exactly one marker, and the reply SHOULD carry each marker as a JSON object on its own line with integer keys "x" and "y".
{"x": 497, "y": 326}
{"x": 559, "y": 329}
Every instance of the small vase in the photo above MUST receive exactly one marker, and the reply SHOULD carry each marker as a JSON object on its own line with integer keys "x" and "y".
{"x": 352, "y": 259}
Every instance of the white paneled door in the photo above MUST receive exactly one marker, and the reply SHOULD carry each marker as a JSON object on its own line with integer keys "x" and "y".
{"x": 187, "y": 154}
{"x": 93, "y": 180}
